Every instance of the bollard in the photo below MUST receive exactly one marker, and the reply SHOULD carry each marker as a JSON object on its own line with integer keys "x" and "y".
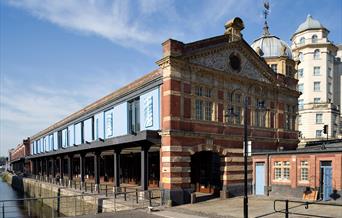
{"x": 58, "y": 202}
{"x": 136, "y": 196}
{"x": 3, "y": 210}
{"x": 91, "y": 187}
{"x": 150, "y": 198}
{"x": 125, "y": 193}
{"x": 85, "y": 186}
{"x": 106, "y": 191}
{"x": 287, "y": 209}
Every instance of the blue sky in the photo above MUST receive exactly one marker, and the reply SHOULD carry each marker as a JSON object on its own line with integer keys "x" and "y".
{"x": 58, "y": 56}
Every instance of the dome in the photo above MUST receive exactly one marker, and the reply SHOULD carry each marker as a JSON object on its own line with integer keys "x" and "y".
{"x": 309, "y": 23}
{"x": 271, "y": 46}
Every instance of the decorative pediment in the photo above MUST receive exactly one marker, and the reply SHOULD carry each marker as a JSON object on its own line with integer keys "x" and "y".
{"x": 231, "y": 61}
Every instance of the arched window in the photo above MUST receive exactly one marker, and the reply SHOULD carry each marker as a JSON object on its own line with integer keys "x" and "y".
{"x": 302, "y": 40}
{"x": 316, "y": 54}
{"x": 301, "y": 56}
{"x": 314, "y": 39}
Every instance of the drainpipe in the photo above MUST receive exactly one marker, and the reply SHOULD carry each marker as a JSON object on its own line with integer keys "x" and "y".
{"x": 268, "y": 176}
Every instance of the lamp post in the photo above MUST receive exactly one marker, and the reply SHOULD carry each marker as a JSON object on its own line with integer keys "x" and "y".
{"x": 260, "y": 106}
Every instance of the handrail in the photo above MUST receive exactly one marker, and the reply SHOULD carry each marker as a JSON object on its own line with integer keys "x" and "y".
{"x": 306, "y": 204}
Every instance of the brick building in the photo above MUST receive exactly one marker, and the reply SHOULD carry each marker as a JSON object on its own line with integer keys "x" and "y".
{"x": 179, "y": 127}
{"x": 316, "y": 167}
{"x": 17, "y": 157}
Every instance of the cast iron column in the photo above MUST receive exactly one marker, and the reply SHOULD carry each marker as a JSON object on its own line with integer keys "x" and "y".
{"x": 245, "y": 198}
{"x": 82, "y": 169}
{"x": 144, "y": 167}
{"x": 47, "y": 168}
{"x": 61, "y": 169}
{"x": 53, "y": 168}
{"x": 41, "y": 176}
{"x": 70, "y": 159}
{"x": 97, "y": 157}
{"x": 117, "y": 169}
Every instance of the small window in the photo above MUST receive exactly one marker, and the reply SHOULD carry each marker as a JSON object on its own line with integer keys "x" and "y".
{"x": 329, "y": 87}
{"x": 316, "y": 54}
{"x": 274, "y": 67}
{"x": 329, "y": 72}
{"x": 302, "y": 40}
{"x": 319, "y": 118}
{"x": 317, "y": 71}
{"x": 318, "y": 133}
{"x": 199, "y": 91}
{"x": 301, "y": 87}
{"x": 304, "y": 171}
{"x": 300, "y": 104}
{"x": 317, "y": 86}
{"x": 282, "y": 170}
{"x": 314, "y": 39}
{"x": 301, "y": 73}
{"x": 317, "y": 100}
{"x": 301, "y": 56}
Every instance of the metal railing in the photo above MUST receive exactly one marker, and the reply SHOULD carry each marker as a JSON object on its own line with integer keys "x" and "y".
{"x": 87, "y": 203}
{"x": 296, "y": 204}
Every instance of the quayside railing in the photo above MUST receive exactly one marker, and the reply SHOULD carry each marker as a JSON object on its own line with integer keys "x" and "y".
{"x": 286, "y": 208}
{"x": 87, "y": 203}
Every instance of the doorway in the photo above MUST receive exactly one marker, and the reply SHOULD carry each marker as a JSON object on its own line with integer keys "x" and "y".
{"x": 259, "y": 178}
{"x": 205, "y": 172}
{"x": 325, "y": 180}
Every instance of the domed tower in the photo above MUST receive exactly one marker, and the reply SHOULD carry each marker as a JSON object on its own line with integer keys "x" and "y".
{"x": 320, "y": 99}
{"x": 275, "y": 52}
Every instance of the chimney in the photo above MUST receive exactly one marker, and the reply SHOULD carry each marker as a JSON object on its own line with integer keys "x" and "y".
{"x": 172, "y": 47}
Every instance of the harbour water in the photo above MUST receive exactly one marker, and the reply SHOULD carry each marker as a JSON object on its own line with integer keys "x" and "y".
{"x": 15, "y": 208}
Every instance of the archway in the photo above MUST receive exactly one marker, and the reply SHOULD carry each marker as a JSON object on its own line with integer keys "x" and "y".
{"x": 205, "y": 172}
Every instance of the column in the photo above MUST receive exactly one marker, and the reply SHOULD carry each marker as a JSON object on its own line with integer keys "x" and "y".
{"x": 144, "y": 167}
{"x": 53, "y": 167}
{"x": 47, "y": 168}
{"x": 97, "y": 157}
{"x": 70, "y": 157}
{"x": 117, "y": 169}
{"x": 41, "y": 168}
{"x": 61, "y": 169}
{"x": 82, "y": 169}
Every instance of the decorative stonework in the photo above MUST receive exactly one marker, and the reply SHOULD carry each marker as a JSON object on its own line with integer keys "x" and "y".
{"x": 219, "y": 60}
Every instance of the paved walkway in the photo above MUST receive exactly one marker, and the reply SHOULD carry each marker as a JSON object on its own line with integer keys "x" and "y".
{"x": 230, "y": 208}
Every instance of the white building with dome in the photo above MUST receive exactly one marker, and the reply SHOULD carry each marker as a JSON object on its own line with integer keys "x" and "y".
{"x": 319, "y": 81}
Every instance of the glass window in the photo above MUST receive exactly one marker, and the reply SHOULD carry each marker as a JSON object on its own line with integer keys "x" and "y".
{"x": 78, "y": 134}
{"x": 304, "y": 170}
{"x": 88, "y": 130}
{"x": 300, "y": 104}
{"x": 317, "y": 100}
{"x": 301, "y": 73}
{"x": 133, "y": 116}
{"x": 319, "y": 118}
{"x": 302, "y": 40}
{"x": 301, "y": 87}
{"x": 314, "y": 39}
{"x": 207, "y": 92}
{"x": 282, "y": 170}
{"x": 301, "y": 56}
{"x": 286, "y": 170}
{"x": 317, "y": 86}
{"x": 277, "y": 170}
{"x": 274, "y": 67}
{"x": 319, "y": 133}
{"x": 317, "y": 71}
{"x": 198, "y": 90}
{"x": 199, "y": 109}
{"x": 208, "y": 110}
{"x": 316, "y": 54}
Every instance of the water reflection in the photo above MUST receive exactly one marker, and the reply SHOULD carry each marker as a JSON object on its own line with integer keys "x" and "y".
{"x": 18, "y": 209}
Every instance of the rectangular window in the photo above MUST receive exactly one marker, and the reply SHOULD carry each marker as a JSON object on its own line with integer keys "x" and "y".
{"x": 207, "y": 92}
{"x": 274, "y": 67}
{"x": 199, "y": 109}
{"x": 99, "y": 125}
{"x": 134, "y": 116}
{"x": 317, "y": 100}
{"x": 71, "y": 135}
{"x": 301, "y": 73}
{"x": 64, "y": 138}
{"x": 304, "y": 171}
{"x": 208, "y": 110}
{"x": 198, "y": 90}
{"x": 78, "y": 134}
{"x": 317, "y": 86}
{"x": 301, "y": 87}
{"x": 318, "y": 133}
{"x": 51, "y": 142}
{"x": 299, "y": 120}
{"x": 88, "y": 130}
{"x": 317, "y": 71}
{"x": 282, "y": 170}
{"x": 300, "y": 104}
{"x": 319, "y": 118}
{"x": 55, "y": 141}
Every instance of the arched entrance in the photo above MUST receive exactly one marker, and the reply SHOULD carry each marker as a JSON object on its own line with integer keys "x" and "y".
{"x": 205, "y": 172}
